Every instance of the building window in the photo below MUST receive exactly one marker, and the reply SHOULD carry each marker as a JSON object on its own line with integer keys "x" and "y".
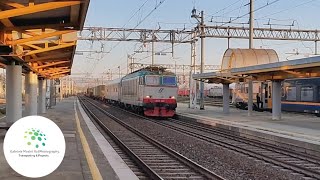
{"x": 307, "y": 93}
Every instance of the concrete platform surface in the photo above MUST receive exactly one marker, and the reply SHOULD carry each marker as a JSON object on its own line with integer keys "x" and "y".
{"x": 299, "y": 129}
{"x": 74, "y": 165}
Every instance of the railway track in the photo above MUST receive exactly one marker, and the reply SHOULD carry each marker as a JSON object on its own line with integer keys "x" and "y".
{"x": 284, "y": 158}
{"x": 296, "y": 162}
{"x": 149, "y": 158}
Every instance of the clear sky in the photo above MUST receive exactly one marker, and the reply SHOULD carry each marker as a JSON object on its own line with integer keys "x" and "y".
{"x": 175, "y": 14}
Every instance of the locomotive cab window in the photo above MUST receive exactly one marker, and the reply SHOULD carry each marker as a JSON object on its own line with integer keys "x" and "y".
{"x": 307, "y": 93}
{"x": 152, "y": 80}
{"x": 169, "y": 80}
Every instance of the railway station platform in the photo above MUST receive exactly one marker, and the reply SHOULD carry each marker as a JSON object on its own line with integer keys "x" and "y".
{"x": 294, "y": 130}
{"x": 88, "y": 155}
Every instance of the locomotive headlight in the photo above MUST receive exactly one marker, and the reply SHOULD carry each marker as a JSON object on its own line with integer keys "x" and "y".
{"x": 148, "y": 96}
{"x": 172, "y": 97}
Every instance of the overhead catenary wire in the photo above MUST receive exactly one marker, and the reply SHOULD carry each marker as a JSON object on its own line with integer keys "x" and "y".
{"x": 146, "y": 57}
{"x": 261, "y": 7}
{"x": 239, "y": 8}
{"x": 287, "y": 9}
{"x": 268, "y": 4}
{"x": 156, "y": 8}
{"x": 140, "y": 21}
{"x": 133, "y": 15}
{"x": 221, "y": 10}
{"x": 301, "y": 4}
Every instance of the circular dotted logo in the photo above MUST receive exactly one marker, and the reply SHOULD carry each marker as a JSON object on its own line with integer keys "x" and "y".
{"x": 35, "y": 137}
{"x": 34, "y": 141}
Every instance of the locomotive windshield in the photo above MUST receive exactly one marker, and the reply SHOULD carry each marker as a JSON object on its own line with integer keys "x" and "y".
{"x": 169, "y": 80}
{"x": 152, "y": 80}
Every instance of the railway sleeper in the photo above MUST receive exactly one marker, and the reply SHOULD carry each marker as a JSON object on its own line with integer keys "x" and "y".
{"x": 139, "y": 150}
{"x": 192, "y": 177}
{"x": 167, "y": 167}
{"x": 156, "y": 155}
{"x": 155, "y": 158}
{"x": 178, "y": 170}
{"x": 174, "y": 174}
{"x": 143, "y": 153}
{"x": 172, "y": 162}
{"x": 308, "y": 165}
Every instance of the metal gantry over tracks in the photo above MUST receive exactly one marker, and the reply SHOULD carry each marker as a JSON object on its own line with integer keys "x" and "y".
{"x": 185, "y": 36}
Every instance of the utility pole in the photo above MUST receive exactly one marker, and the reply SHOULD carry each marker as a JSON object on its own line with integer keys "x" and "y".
{"x": 202, "y": 61}
{"x": 152, "y": 63}
{"x": 250, "y": 85}
{"x": 251, "y": 25}
{"x": 192, "y": 84}
{"x": 202, "y": 36}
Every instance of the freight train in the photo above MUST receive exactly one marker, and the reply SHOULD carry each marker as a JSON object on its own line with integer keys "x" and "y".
{"x": 151, "y": 91}
{"x": 213, "y": 92}
{"x": 298, "y": 95}
{"x": 186, "y": 92}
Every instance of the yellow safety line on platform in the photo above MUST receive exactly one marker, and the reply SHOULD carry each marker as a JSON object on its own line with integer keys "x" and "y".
{"x": 92, "y": 164}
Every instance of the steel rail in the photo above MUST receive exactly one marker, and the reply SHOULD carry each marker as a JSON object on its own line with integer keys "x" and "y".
{"x": 152, "y": 174}
{"x": 291, "y": 166}
{"x": 198, "y": 168}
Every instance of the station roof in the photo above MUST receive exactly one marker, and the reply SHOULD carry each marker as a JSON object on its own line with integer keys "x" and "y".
{"x": 236, "y": 58}
{"x": 216, "y": 77}
{"x": 299, "y": 68}
{"x": 41, "y": 34}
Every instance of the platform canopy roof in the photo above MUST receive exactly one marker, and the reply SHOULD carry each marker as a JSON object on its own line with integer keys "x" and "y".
{"x": 41, "y": 34}
{"x": 299, "y": 68}
{"x": 268, "y": 69}
{"x": 237, "y": 58}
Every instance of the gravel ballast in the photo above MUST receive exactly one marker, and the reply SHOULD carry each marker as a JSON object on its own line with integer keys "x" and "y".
{"x": 226, "y": 163}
